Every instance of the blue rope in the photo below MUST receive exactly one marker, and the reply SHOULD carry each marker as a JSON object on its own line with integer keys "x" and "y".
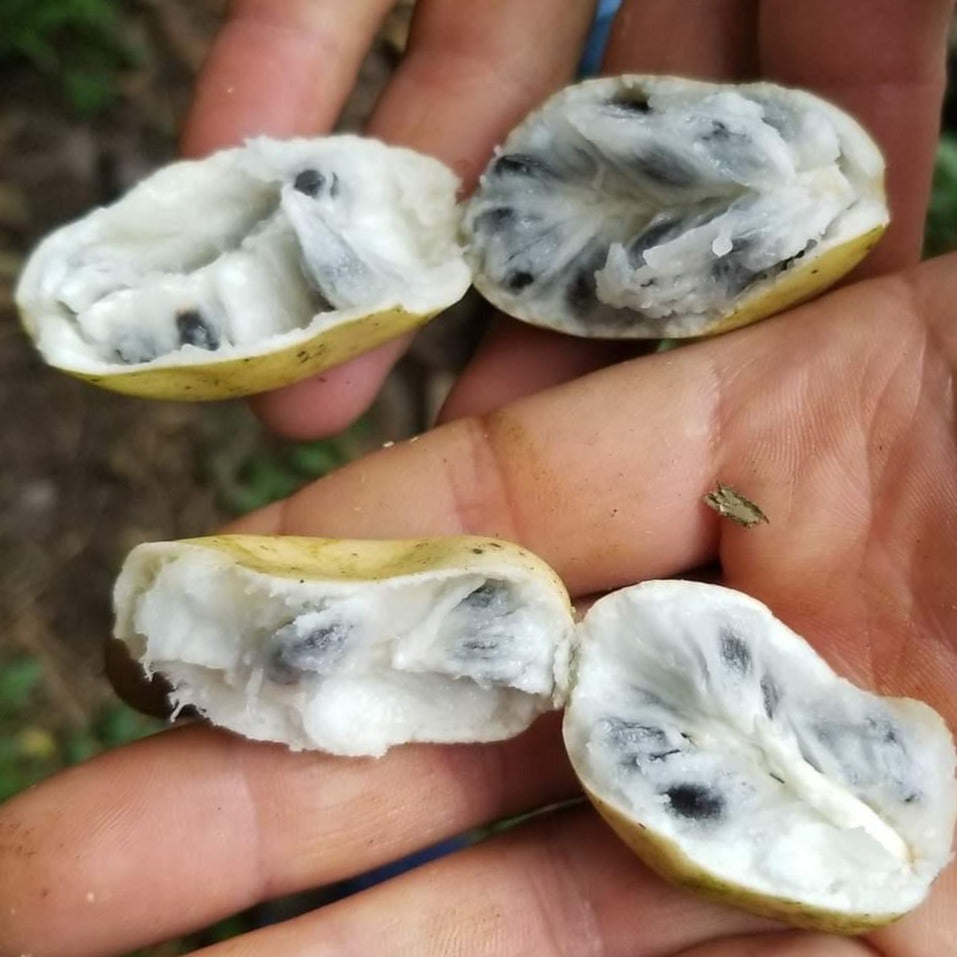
{"x": 598, "y": 38}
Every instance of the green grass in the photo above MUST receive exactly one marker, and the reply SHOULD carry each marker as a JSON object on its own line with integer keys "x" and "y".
{"x": 277, "y": 469}
{"x": 77, "y": 45}
{"x": 940, "y": 235}
{"x": 32, "y": 748}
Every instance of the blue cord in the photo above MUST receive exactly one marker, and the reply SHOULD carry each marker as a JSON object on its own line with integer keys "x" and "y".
{"x": 598, "y": 38}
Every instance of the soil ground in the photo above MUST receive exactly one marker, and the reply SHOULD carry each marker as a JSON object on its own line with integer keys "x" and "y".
{"x": 87, "y": 474}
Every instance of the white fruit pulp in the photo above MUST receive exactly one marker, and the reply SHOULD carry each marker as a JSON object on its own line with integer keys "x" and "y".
{"x": 244, "y": 251}
{"x": 596, "y": 211}
{"x": 348, "y": 667}
{"x": 698, "y": 714}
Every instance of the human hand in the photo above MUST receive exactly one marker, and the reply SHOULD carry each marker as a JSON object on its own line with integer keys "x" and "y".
{"x": 836, "y": 418}
{"x": 473, "y": 70}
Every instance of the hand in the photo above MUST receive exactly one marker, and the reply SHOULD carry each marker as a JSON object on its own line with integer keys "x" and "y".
{"x": 474, "y": 69}
{"x": 836, "y": 418}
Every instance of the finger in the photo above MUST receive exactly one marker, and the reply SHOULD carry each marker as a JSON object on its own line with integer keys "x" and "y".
{"x": 279, "y": 67}
{"x": 328, "y": 403}
{"x": 558, "y": 471}
{"x": 844, "y": 52}
{"x": 516, "y": 360}
{"x": 562, "y": 885}
{"x": 794, "y": 944}
{"x": 472, "y": 71}
{"x": 714, "y": 39}
{"x": 840, "y": 440}
{"x": 214, "y": 824}
{"x": 466, "y": 79}
{"x": 709, "y": 39}
{"x": 285, "y": 68}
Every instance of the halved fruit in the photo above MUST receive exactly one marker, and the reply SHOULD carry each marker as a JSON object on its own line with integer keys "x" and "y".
{"x": 726, "y": 752}
{"x": 650, "y": 207}
{"x": 350, "y": 647}
{"x": 248, "y": 270}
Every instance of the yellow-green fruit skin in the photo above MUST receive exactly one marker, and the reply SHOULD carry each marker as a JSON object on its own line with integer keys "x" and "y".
{"x": 248, "y": 375}
{"x": 670, "y": 863}
{"x": 799, "y": 284}
{"x": 296, "y": 557}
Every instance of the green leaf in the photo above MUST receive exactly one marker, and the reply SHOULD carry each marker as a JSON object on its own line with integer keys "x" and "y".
{"x": 940, "y": 235}
{"x": 18, "y": 680}
{"x": 315, "y": 459}
{"x": 89, "y": 92}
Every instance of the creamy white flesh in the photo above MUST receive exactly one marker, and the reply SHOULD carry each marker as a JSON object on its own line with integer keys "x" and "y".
{"x": 349, "y": 667}
{"x": 698, "y": 714}
{"x": 251, "y": 249}
{"x": 638, "y": 206}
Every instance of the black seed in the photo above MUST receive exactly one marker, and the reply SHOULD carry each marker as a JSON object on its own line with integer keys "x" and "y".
{"x": 195, "y": 331}
{"x": 735, "y": 652}
{"x": 718, "y": 131}
{"x": 491, "y": 594}
{"x": 770, "y": 695}
{"x": 493, "y": 220}
{"x": 317, "y": 652}
{"x": 629, "y": 102}
{"x": 730, "y": 272}
{"x": 520, "y": 164}
{"x": 695, "y": 801}
{"x": 580, "y": 296}
{"x": 485, "y": 649}
{"x": 776, "y": 778}
{"x": 309, "y": 181}
{"x": 519, "y": 280}
{"x": 638, "y": 743}
{"x": 664, "y": 168}
{"x": 132, "y": 351}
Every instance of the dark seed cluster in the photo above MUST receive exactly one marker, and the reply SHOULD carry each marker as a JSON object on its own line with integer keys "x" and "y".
{"x": 478, "y": 635}
{"x": 870, "y": 754}
{"x": 638, "y": 745}
{"x": 291, "y": 655}
{"x": 313, "y": 183}
{"x": 735, "y": 652}
{"x": 194, "y": 330}
{"x": 695, "y": 802}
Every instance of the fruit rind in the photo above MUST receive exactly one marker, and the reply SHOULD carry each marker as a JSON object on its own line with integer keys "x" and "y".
{"x": 669, "y": 863}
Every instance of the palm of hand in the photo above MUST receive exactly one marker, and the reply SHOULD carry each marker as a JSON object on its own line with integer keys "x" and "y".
{"x": 848, "y": 445}
{"x": 836, "y": 418}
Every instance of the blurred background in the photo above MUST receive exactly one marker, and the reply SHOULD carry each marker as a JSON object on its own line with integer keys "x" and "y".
{"x": 91, "y": 96}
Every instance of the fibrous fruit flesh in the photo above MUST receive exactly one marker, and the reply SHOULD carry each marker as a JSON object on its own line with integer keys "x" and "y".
{"x": 731, "y": 757}
{"x": 641, "y": 206}
{"x": 249, "y": 269}
{"x": 350, "y": 647}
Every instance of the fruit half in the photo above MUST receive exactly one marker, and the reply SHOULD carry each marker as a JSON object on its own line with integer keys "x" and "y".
{"x": 248, "y": 270}
{"x": 652, "y": 207}
{"x": 350, "y": 647}
{"x": 726, "y": 752}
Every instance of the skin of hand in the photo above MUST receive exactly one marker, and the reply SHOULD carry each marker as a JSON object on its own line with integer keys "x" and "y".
{"x": 837, "y": 418}
{"x": 474, "y": 69}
